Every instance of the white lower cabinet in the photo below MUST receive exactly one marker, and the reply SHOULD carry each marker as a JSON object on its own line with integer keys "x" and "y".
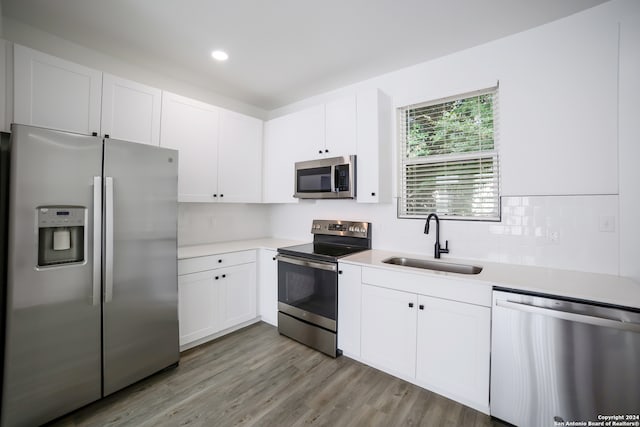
{"x": 349, "y": 304}
{"x": 431, "y": 340}
{"x": 389, "y": 329}
{"x": 268, "y": 286}
{"x": 453, "y": 347}
{"x": 216, "y": 294}
{"x": 237, "y": 303}
{"x": 197, "y": 294}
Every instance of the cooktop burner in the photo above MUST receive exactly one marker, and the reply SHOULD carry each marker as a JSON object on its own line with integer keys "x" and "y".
{"x": 332, "y": 240}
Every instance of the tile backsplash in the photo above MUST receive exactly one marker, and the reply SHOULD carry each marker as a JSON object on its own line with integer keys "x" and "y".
{"x": 567, "y": 232}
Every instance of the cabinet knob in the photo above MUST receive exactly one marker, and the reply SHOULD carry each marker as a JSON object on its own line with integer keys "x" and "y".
{"x": 215, "y": 195}
{"x": 224, "y": 275}
{"x": 217, "y": 277}
{"x": 222, "y": 195}
{"x": 274, "y": 258}
{"x": 410, "y": 305}
{"x": 94, "y": 133}
{"x": 421, "y": 307}
{"x": 339, "y": 271}
{"x": 319, "y": 151}
{"x": 326, "y": 151}
{"x": 219, "y": 261}
{"x": 373, "y": 194}
{"x": 106, "y": 135}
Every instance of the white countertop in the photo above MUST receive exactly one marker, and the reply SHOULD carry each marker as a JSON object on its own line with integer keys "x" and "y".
{"x": 195, "y": 251}
{"x": 603, "y": 288}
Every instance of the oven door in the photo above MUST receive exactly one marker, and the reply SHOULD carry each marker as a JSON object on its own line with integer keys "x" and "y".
{"x": 308, "y": 290}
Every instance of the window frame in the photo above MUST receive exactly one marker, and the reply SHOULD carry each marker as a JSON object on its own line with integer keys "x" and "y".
{"x": 441, "y": 159}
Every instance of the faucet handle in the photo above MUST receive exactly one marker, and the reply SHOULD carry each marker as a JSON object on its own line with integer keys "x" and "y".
{"x": 446, "y": 247}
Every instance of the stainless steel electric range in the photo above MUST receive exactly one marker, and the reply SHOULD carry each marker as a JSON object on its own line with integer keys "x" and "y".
{"x": 308, "y": 282}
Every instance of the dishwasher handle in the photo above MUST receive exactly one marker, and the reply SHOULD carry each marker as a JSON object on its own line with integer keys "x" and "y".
{"x": 573, "y": 317}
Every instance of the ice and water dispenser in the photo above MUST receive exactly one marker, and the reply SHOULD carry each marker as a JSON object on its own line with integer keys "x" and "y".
{"x": 61, "y": 235}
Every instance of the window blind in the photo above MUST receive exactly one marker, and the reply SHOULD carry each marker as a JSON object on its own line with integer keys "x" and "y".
{"x": 449, "y": 158}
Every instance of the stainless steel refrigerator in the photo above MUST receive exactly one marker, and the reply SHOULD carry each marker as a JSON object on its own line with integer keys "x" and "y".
{"x": 91, "y": 270}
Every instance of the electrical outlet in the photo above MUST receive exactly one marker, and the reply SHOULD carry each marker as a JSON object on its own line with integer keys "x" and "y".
{"x": 554, "y": 236}
{"x": 607, "y": 223}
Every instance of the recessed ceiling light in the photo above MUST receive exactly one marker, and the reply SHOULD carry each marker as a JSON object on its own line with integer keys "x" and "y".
{"x": 220, "y": 55}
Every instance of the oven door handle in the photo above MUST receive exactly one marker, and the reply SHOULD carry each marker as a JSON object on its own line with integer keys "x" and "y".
{"x": 328, "y": 266}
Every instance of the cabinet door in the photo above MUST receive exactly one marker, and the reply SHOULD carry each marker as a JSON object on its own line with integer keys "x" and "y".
{"x": 289, "y": 139}
{"x": 237, "y": 302}
{"x": 197, "y": 297}
{"x": 389, "y": 329}
{"x": 453, "y": 349}
{"x": 191, "y": 127}
{"x": 340, "y": 127}
{"x": 308, "y": 134}
{"x": 349, "y": 307}
{"x": 240, "y": 158}
{"x": 130, "y": 110}
{"x": 280, "y": 154}
{"x": 57, "y": 94}
{"x": 374, "y": 142}
{"x": 268, "y": 286}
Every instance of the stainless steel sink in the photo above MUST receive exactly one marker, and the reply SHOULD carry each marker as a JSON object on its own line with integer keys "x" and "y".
{"x": 434, "y": 265}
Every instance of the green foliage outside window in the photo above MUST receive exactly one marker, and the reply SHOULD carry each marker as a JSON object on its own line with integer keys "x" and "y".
{"x": 460, "y": 126}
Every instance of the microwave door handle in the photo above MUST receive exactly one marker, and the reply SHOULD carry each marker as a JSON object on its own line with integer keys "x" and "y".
{"x": 334, "y": 186}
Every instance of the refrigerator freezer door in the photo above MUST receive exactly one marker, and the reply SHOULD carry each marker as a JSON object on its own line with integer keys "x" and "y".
{"x": 140, "y": 329}
{"x": 53, "y": 348}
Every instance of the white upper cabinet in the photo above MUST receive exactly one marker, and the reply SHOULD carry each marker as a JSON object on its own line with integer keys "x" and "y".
{"x": 374, "y": 147}
{"x": 191, "y": 127}
{"x": 356, "y": 124}
{"x": 307, "y": 134}
{"x": 53, "y": 93}
{"x": 220, "y": 151}
{"x": 289, "y": 139}
{"x": 340, "y": 127}
{"x": 240, "y": 158}
{"x": 130, "y": 110}
{"x": 57, "y": 94}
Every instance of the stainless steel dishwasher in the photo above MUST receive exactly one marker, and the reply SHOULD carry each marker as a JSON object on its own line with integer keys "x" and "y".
{"x": 555, "y": 360}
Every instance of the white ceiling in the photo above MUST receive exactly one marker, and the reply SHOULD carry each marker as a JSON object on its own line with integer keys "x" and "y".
{"x": 282, "y": 51}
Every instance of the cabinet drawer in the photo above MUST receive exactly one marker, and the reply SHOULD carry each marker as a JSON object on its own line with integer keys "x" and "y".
{"x": 193, "y": 265}
{"x": 441, "y": 287}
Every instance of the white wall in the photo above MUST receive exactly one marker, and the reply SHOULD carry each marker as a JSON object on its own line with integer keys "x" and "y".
{"x": 34, "y": 38}
{"x": 208, "y": 222}
{"x": 559, "y": 120}
{"x": 629, "y": 139}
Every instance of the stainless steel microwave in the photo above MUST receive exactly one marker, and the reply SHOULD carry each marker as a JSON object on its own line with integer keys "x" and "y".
{"x": 331, "y": 178}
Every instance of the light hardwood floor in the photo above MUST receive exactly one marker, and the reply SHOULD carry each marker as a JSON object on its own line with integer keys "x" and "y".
{"x": 255, "y": 377}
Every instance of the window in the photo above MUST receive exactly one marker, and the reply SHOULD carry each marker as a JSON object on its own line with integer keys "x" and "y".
{"x": 449, "y": 158}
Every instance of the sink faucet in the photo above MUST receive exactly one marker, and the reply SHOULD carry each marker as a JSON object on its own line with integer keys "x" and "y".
{"x": 437, "y": 249}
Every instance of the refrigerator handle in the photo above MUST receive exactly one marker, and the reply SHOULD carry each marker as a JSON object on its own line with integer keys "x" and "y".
{"x": 108, "y": 240}
{"x": 97, "y": 238}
